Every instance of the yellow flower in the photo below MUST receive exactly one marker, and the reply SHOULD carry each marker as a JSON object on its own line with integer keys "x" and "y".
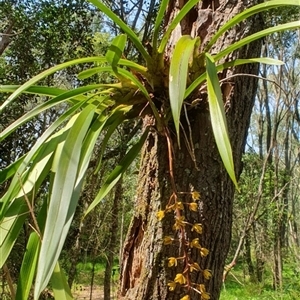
{"x": 195, "y": 195}
{"x": 193, "y": 206}
{"x": 207, "y": 274}
{"x": 186, "y": 297}
{"x": 195, "y": 243}
{"x": 172, "y": 262}
{"x": 197, "y": 227}
{"x": 195, "y": 267}
{"x": 160, "y": 215}
{"x": 180, "y": 278}
{"x": 205, "y": 296}
{"x": 172, "y": 285}
{"x": 204, "y": 252}
{"x": 179, "y": 205}
{"x": 179, "y": 222}
{"x": 168, "y": 240}
{"x": 201, "y": 288}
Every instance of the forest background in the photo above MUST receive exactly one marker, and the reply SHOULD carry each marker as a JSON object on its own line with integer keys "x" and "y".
{"x": 264, "y": 260}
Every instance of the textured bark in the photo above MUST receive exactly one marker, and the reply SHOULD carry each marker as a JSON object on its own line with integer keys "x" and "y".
{"x": 144, "y": 273}
{"x": 6, "y": 38}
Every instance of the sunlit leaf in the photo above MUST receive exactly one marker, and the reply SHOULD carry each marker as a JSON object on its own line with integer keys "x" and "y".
{"x": 159, "y": 18}
{"x": 86, "y": 153}
{"x": 10, "y": 227}
{"x": 183, "y": 12}
{"x": 118, "y": 171}
{"x": 178, "y": 76}
{"x": 14, "y": 207}
{"x": 117, "y": 117}
{"x": 115, "y": 50}
{"x": 247, "y": 13}
{"x": 226, "y": 65}
{"x": 46, "y": 73}
{"x": 134, "y": 38}
{"x": 66, "y": 163}
{"x": 60, "y": 285}
{"x": 10, "y": 171}
{"x": 254, "y": 37}
{"x": 28, "y": 267}
{"x": 46, "y": 105}
{"x": 218, "y": 118}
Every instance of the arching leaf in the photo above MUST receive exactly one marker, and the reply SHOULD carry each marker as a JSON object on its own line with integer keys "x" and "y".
{"x": 46, "y": 73}
{"x": 226, "y": 65}
{"x": 117, "y": 173}
{"x": 46, "y": 105}
{"x": 248, "y": 13}
{"x": 254, "y": 37}
{"x": 65, "y": 166}
{"x": 159, "y": 18}
{"x": 116, "y": 118}
{"x": 183, "y": 12}
{"x": 218, "y": 118}
{"x": 178, "y": 76}
{"x": 28, "y": 267}
{"x": 134, "y": 38}
{"x": 60, "y": 285}
{"x": 115, "y": 50}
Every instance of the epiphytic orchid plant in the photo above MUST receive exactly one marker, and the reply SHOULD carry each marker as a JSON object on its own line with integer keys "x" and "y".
{"x": 65, "y": 148}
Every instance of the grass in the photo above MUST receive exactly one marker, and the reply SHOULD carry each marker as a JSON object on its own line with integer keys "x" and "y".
{"x": 85, "y": 270}
{"x": 239, "y": 287}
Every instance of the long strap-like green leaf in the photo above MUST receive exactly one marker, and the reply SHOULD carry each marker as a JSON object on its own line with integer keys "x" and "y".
{"x": 118, "y": 171}
{"x": 183, "y": 12}
{"x": 178, "y": 76}
{"x": 66, "y": 164}
{"x": 60, "y": 285}
{"x": 134, "y": 38}
{"x": 218, "y": 118}
{"x": 28, "y": 267}
{"x": 46, "y": 73}
{"x": 248, "y": 13}
{"x": 254, "y": 37}
{"x": 226, "y": 65}
{"x": 46, "y": 105}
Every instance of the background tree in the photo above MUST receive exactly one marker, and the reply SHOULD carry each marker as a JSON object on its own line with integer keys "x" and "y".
{"x": 265, "y": 204}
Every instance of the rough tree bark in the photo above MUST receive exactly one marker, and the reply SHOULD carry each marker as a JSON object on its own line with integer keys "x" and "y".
{"x": 145, "y": 272}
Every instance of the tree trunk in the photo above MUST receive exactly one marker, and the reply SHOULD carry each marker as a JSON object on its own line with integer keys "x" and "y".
{"x": 113, "y": 229}
{"x": 6, "y": 37}
{"x": 248, "y": 256}
{"x": 196, "y": 167}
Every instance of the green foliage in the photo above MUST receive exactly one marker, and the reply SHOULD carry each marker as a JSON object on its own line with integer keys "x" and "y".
{"x": 65, "y": 149}
{"x": 238, "y": 286}
{"x": 218, "y": 118}
{"x": 28, "y": 268}
{"x": 60, "y": 285}
{"x": 178, "y": 76}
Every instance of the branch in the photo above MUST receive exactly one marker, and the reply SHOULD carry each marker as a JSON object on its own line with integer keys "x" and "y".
{"x": 5, "y": 40}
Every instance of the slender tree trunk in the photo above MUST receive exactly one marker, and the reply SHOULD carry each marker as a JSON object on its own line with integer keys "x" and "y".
{"x": 113, "y": 239}
{"x": 277, "y": 272}
{"x": 74, "y": 256}
{"x": 248, "y": 256}
{"x": 197, "y": 167}
{"x": 6, "y": 37}
{"x": 259, "y": 245}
